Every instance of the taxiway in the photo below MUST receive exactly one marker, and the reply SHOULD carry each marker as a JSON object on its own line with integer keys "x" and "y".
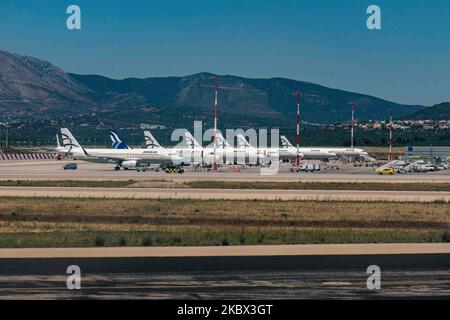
{"x": 52, "y": 170}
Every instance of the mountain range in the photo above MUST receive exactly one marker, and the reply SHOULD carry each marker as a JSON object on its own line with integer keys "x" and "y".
{"x": 437, "y": 112}
{"x": 36, "y": 89}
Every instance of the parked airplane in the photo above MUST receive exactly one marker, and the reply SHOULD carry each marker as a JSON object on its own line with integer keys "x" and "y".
{"x": 139, "y": 159}
{"x": 190, "y": 153}
{"x": 255, "y": 155}
{"x": 150, "y": 141}
{"x": 308, "y": 153}
{"x": 61, "y": 152}
{"x": 325, "y": 153}
{"x": 227, "y": 154}
{"x": 288, "y": 151}
{"x": 194, "y": 153}
{"x": 269, "y": 153}
{"x": 117, "y": 142}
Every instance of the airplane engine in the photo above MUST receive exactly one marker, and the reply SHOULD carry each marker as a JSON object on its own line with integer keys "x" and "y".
{"x": 130, "y": 164}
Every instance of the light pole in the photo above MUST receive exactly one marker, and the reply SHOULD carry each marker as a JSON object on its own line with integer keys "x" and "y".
{"x": 6, "y": 138}
{"x": 216, "y": 88}
{"x": 352, "y": 135}
{"x": 297, "y": 158}
{"x": 390, "y": 135}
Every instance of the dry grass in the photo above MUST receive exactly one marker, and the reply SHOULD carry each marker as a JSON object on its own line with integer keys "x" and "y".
{"x": 375, "y": 186}
{"x": 32, "y": 222}
{"x": 381, "y": 186}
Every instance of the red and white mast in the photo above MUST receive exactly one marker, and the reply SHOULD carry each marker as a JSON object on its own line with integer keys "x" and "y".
{"x": 215, "y": 121}
{"x": 352, "y": 135}
{"x": 390, "y": 135}
{"x": 297, "y": 160}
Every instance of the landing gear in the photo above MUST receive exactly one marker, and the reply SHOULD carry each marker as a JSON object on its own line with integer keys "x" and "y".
{"x": 117, "y": 168}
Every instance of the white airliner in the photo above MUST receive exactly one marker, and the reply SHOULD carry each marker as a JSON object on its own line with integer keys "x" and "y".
{"x": 194, "y": 153}
{"x": 270, "y": 153}
{"x": 324, "y": 153}
{"x": 251, "y": 152}
{"x": 150, "y": 141}
{"x": 191, "y": 153}
{"x": 138, "y": 159}
{"x": 288, "y": 151}
{"x": 245, "y": 153}
{"x": 60, "y": 149}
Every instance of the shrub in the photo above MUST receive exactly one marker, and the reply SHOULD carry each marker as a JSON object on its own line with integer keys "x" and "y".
{"x": 122, "y": 241}
{"x": 446, "y": 236}
{"x": 99, "y": 241}
{"x": 260, "y": 237}
{"x": 147, "y": 241}
{"x": 242, "y": 238}
{"x": 225, "y": 242}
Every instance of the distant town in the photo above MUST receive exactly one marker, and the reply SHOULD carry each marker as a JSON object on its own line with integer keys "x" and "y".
{"x": 27, "y": 132}
{"x": 396, "y": 125}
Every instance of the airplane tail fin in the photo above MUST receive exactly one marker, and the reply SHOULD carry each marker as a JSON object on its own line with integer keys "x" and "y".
{"x": 221, "y": 142}
{"x": 68, "y": 139}
{"x": 242, "y": 142}
{"x": 58, "y": 145}
{"x": 117, "y": 142}
{"x": 150, "y": 141}
{"x": 190, "y": 140}
{"x": 285, "y": 142}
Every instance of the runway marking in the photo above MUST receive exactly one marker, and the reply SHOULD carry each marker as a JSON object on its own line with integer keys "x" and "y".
{"x": 234, "y": 251}
{"x": 336, "y": 284}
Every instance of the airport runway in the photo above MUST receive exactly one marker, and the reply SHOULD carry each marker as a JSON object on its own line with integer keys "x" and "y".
{"x": 225, "y": 194}
{"x": 266, "y": 272}
{"x": 52, "y": 170}
{"x": 179, "y": 273}
{"x": 230, "y": 251}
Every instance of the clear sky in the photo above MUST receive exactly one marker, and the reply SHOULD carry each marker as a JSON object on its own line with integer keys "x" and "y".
{"x": 321, "y": 41}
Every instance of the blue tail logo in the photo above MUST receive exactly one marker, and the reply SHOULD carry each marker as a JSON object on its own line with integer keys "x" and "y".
{"x": 117, "y": 142}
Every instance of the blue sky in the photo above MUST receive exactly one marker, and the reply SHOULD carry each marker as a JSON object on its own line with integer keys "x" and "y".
{"x": 321, "y": 41}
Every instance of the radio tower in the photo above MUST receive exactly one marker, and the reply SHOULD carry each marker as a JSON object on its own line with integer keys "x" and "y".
{"x": 390, "y": 157}
{"x": 215, "y": 121}
{"x": 297, "y": 159}
{"x": 352, "y": 135}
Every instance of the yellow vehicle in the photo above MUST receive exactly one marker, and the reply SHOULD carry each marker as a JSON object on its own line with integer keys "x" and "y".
{"x": 174, "y": 169}
{"x": 384, "y": 171}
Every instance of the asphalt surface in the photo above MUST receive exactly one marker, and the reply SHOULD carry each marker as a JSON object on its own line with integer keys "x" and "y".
{"x": 52, "y": 170}
{"x": 225, "y": 194}
{"x": 414, "y": 271}
{"x": 419, "y": 276}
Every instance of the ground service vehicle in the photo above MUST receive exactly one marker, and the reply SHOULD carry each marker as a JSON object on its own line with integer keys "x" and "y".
{"x": 70, "y": 166}
{"x": 174, "y": 169}
{"x": 386, "y": 171}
